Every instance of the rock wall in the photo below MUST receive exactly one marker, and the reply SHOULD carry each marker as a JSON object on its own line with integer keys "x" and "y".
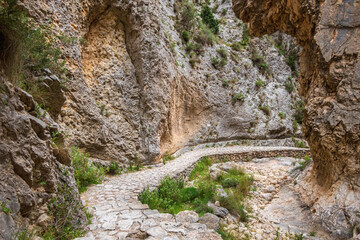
{"x": 31, "y": 170}
{"x": 133, "y": 95}
{"x": 329, "y": 33}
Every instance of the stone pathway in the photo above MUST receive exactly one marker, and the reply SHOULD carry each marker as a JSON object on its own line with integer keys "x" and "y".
{"x": 118, "y": 214}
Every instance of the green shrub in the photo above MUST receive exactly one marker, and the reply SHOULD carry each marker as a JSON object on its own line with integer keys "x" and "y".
{"x": 238, "y": 97}
{"x": 218, "y": 63}
{"x": 64, "y": 210}
{"x": 200, "y": 168}
{"x": 27, "y": 48}
{"x": 282, "y": 115}
{"x": 266, "y": 109}
{"x": 167, "y": 157}
{"x": 224, "y": 12}
{"x": 259, "y": 61}
{"x": 291, "y": 62}
{"x": 6, "y": 210}
{"x": 236, "y": 46}
{"x": 225, "y": 83}
{"x": 289, "y": 86}
{"x": 209, "y": 19}
{"x": 245, "y": 36}
{"x": 114, "y": 168}
{"x": 194, "y": 47}
{"x": 223, "y": 52}
{"x": 259, "y": 83}
{"x": 188, "y": 15}
{"x": 299, "y": 111}
{"x": 186, "y": 36}
{"x": 295, "y": 125}
{"x": 86, "y": 173}
{"x": 204, "y": 36}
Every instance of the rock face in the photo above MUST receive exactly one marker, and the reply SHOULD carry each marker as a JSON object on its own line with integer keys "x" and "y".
{"x": 132, "y": 94}
{"x": 329, "y": 33}
{"x": 31, "y": 170}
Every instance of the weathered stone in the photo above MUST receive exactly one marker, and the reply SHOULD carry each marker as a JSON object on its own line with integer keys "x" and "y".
{"x": 210, "y": 220}
{"x": 218, "y": 211}
{"x": 157, "y": 232}
{"x": 187, "y": 217}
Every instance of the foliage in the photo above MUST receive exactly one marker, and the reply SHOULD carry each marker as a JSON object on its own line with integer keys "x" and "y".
{"x": 28, "y": 49}
{"x": 223, "y": 52}
{"x": 305, "y": 162}
{"x": 259, "y": 83}
{"x": 260, "y": 62}
{"x": 295, "y": 125}
{"x": 86, "y": 173}
{"x": 291, "y": 62}
{"x": 218, "y": 62}
{"x": 224, "y": 234}
{"x": 6, "y": 210}
{"x": 209, "y": 19}
{"x": 299, "y": 111}
{"x": 188, "y": 15}
{"x": 245, "y": 36}
{"x": 114, "y": 168}
{"x": 282, "y": 115}
{"x": 186, "y": 36}
{"x": 225, "y": 83}
{"x": 65, "y": 211}
{"x": 167, "y": 157}
{"x": 289, "y": 86}
{"x": 236, "y": 46}
{"x": 266, "y": 109}
{"x": 238, "y": 97}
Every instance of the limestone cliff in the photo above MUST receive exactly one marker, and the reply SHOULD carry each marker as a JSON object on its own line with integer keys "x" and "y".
{"x": 133, "y": 94}
{"x": 329, "y": 32}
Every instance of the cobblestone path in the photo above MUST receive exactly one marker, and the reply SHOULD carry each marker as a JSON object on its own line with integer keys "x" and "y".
{"x": 118, "y": 214}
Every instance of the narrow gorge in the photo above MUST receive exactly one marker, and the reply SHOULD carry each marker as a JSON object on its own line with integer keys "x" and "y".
{"x": 103, "y": 99}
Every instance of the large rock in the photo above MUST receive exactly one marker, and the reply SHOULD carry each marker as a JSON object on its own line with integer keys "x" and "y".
{"x": 187, "y": 217}
{"x": 329, "y": 32}
{"x": 210, "y": 220}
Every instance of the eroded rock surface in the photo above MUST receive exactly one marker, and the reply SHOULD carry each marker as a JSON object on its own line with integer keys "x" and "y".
{"x": 132, "y": 94}
{"x": 329, "y": 32}
{"x": 31, "y": 170}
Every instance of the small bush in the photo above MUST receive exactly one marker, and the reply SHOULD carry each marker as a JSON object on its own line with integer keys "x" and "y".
{"x": 209, "y": 19}
{"x": 289, "y": 86}
{"x": 238, "y": 97}
{"x": 295, "y": 125}
{"x": 194, "y": 47}
{"x": 259, "y": 83}
{"x": 204, "y": 36}
{"x": 282, "y": 115}
{"x": 245, "y": 36}
{"x": 225, "y": 83}
{"x": 266, "y": 109}
{"x": 86, "y": 173}
{"x": 167, "y": 157}
{"x": 291, "y": 62}
{"x": 223, "y": 52}
{"x": 236, "y": 46}
{"x": 114, "y": 168}
{"x": 299, "y": 111}
{"x": 218, "y": 63}
{"x": 186, "y": 36}
{"x": 188, "y": 15}
{"x": 224, "y": 12}
{"x": 65, "y": 209}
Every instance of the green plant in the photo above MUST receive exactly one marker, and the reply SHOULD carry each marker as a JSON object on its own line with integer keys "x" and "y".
{"x": 185, "y": 36}
{"x": 280, "y": 48}
{"x": 209, "y": 19}
{"x": 282, "y": 115}
{"x": 295, "y": 125}
{"x": 236, "y": 46}
{"x": 167, "y": 157}
{"x": 245, "y": 36}
{"x": 218, "y": 63}
{"x": 238, "y": 97}
{"x": 289, "y": 86}
{"x": 266, "y": 109}
{"x": 299, "y": 111}
{"x": 24, "y": 235}
{"x": 291, "y": 61}
{"x": 259, "y": 83}
{"x": 224, "y": 11}
{"x": 225, "y": 235}
{"x": 223, "y": 52}
{"x": 86, "y": 173}
{"x": 300, "y": 144}
{"x": 6, "y": 210}
{"x": 27, "y": 49}
{"x": 225, "y": 83}
{"x": 204, "y": 36}
{"x": 65, "y": 210}
{"x": 312, "y": 234}
{"x": 114, "y": 168}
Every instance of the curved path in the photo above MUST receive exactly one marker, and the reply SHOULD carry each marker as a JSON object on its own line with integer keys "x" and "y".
{"x": 118, "y": 214}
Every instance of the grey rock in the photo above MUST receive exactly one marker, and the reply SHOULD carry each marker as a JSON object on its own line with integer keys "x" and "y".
{"x": 210, "y": 220}
{"x": 218, "y": 211}
{"x": 187, "y": 217}
{"x": 157, "y": 232}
